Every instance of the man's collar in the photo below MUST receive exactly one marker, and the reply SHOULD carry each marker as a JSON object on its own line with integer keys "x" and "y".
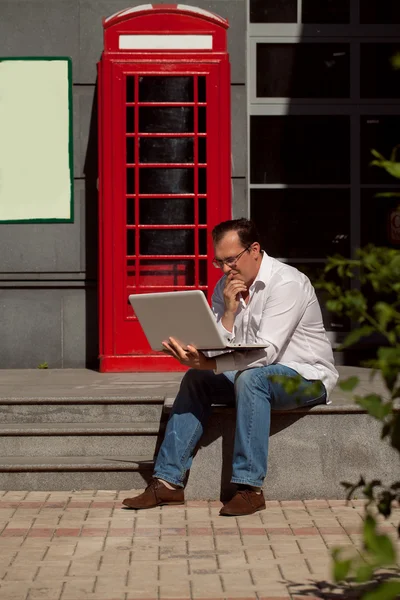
{"x": 263, "y": 272}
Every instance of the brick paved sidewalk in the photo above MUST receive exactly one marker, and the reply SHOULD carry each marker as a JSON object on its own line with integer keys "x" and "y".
{"x": 83, "y": 545}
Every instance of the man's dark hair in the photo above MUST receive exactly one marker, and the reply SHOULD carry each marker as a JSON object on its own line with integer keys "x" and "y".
{"x": 246, "y": 230}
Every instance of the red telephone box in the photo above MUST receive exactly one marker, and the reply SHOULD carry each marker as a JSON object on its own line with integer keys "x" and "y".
{"x": 164, "y": 166}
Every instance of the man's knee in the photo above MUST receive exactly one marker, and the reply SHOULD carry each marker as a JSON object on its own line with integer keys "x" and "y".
{"x": 195, "y": 378}
{"x": 249, "y": 379}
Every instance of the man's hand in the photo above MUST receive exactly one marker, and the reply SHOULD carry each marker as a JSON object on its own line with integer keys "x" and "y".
{"x": 232, "y": 290}
{"x": 190, "y": 357}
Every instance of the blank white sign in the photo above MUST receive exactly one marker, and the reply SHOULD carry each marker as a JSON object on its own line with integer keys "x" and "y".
{"x": 35, "y": 159}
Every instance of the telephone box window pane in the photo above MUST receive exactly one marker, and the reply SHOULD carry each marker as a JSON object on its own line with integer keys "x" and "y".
{"x": 130, "y": 88}
{"x": 164, "y": 241}
{"x": 202, "y": 124}
{"x": 158, "y": 119}
{"x": 166, "y": 181}
{"x": 130, "y": 211}
{"x": 166, "y": 150}
{"x": 300, "y": 149}
{"x": 130, "y": 119}
{"x": 201, "y": 89}
{"x": 202, "y": 211}
{"x": 202, "y": 241}
{"x": 303, "y": 70}
{"x": 203, "y": 272}
{"x": 381, "y": 134}
{"x": 273, "y": 11}
{"x": 202, "y": 150}
{"x": 159, "y": 88}
{"x": 159, "y": 273}
{"x": 130, "y": 150}
{"x": 379, "y": 11}
{"x": 378, "y": 78}
{"x": 130, "y": 181}
{"x": 202, "y": 181}
{"x": 302, "y": 223}
{"x": 166, "y": 211}
{"x": 130, "y": 242}
{"x": 326, "y": 11}
{"x": 380, "y": 219}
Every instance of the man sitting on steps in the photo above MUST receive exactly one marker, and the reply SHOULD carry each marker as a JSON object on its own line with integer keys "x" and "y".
{"x": 258, "y": 299}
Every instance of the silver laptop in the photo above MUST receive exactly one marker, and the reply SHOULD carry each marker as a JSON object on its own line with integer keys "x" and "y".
{"x": 184, "y": 316}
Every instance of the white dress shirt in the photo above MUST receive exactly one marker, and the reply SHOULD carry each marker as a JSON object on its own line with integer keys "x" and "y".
{"x": 282, "y": 311}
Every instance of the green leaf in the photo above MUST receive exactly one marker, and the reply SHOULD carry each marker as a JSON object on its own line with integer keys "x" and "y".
{"x": 357, "y": 334}
{"x": 375, "y": 406}
{"x": 388, "y": 590}
{"x": 364, "y": 572}
{"x": 349, "y": 384}
{"x": 341, "y": 569}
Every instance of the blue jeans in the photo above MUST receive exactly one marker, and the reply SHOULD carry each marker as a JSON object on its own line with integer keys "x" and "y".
{"x": 255, "y": 395}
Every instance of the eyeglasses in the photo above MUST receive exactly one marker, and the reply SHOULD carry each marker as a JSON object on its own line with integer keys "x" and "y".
{"x": 230, "y": 261}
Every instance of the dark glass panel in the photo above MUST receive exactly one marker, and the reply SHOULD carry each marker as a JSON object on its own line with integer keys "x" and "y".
{"x": 130, "y": 242}
{"x": 158, "y": 273}
{"x": 300, "y": 149}
{"x": 130, "y": 181}
{"x": 202, "y": 211}
{"x": 130, "y": 274}
{"x": 201, "y": 86}
{"x": 380, "y": 11}
{"x": 273, "y": 11}
{"x": 130, "y": 119}
{"x": 166, "y": 150}
{"x": 378, "y": 78}
{"x": 202, "y": 124}
{"x": 130, "y": 150}
{"x": 130, "y": 211}
{"x": 202, "y": 241}
{"x": 166, "y": 181}
{"x": 160, "y": 88}
{"x": 298, "y": 223}
{"x": 166, "y": 211}
{"x": 380, "y": 219}
{"x": 326, "y": 11}
{"x": 202, "y": 181}
{"x": 130, "y": 88}
{"x": 203, "y": 272}
{"x": 202, "y": 150}
{"x": 303, "y": 70}
{"x": 158, "y": 119}
{"x": 381, "y": 133}
{"x": 167, "y": 241}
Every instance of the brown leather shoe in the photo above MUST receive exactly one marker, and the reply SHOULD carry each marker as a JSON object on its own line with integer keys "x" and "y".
{"x": 244, "y": 502}
{"x": 156, "y": 494}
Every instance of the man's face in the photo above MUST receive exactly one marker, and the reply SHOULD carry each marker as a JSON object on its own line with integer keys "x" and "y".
{"x": 245, "y": 266}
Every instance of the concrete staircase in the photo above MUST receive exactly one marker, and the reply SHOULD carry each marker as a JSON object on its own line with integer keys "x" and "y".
{"x": 76, "y": 429}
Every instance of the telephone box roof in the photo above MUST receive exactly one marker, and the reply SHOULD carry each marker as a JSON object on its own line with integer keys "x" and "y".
{"x": 182, "y": 9}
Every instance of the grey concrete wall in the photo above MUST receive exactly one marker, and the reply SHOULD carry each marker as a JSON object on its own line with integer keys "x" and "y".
{"x": 48, "y": 272}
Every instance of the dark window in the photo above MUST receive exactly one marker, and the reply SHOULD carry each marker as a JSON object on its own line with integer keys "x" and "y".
{"x": 202, "y": 211}
{"x": 201, "y": 89}
{"x": 202, "y": 181}
{"x": 130, "y": 242}
{"x": 326, "y": 11}
{"x": 380, "y": 11}
{"x": 166, "y": 211}
{"x": 202, "y": 150}
{"x": 300, "y": 149}
{"x": 380, "y": 219}
{"x": 166, "y": 181}
{"x": 166, "y": 119}
{"x": 130, "y": 181}
{"x": 130, "y": 119}
{"x": 130, "y": 150}
{"x": 158, "y": 273}
{"x": 203, "y": 272}
{"x": 158, "y": 88}
{"x": 381, "y": 134}
{"x": 166, "y": 150}
{"x": 130, "y": 211}
{"x": 167, "y": 241}
{"x": 202, "y": 241}
{"x": 378, "y": 78}
{"x": 294, "y": 223}
{"x": 130, "y": 88}
{"x": 273, "y": 11}
{"x": 202, "y": 125}
{"x": 303, "y": 70}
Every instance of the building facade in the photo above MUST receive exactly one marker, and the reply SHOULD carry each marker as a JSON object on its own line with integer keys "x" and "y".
{"x": 312, "y": 91}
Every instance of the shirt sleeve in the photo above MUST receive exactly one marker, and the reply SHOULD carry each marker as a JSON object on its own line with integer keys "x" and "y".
{"x": 218, "y": 308}
{"x": 283, "y": 309}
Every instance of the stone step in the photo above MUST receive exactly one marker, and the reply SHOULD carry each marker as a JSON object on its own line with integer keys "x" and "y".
{"x": 79, "y": 439}
{"x": 118, "y": 410}
{"x": 75, "y": 472}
